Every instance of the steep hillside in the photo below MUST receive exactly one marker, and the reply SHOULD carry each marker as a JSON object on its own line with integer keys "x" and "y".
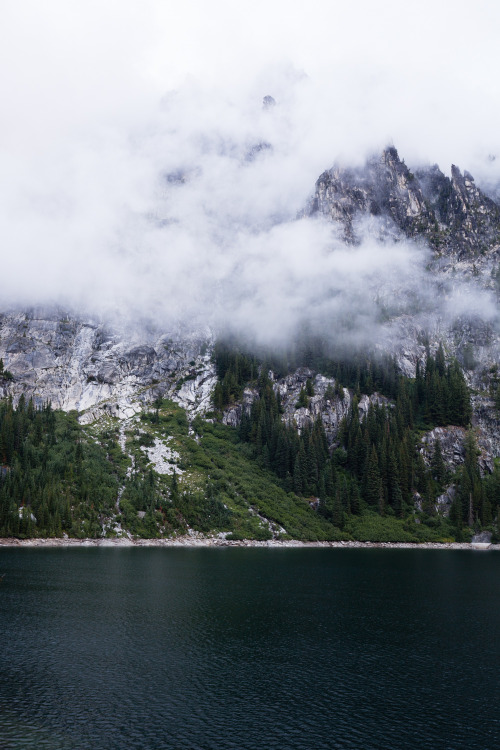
{"x": 94, "y": 368}
{"x": 112, "y": 374}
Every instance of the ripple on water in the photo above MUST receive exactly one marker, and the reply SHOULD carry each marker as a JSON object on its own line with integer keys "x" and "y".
{"x": 247, "y": 649}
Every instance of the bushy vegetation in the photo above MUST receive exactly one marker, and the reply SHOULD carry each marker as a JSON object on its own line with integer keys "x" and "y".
{"x": 222, "y": 486}
{"x": 242, "y": 483}
{"x": 371, "y": 527}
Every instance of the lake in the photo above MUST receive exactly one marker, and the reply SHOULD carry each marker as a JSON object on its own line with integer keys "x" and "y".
{"x": 218, "y": 649}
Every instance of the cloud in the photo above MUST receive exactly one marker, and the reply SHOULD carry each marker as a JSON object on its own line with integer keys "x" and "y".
{"x": 142, "y": 177}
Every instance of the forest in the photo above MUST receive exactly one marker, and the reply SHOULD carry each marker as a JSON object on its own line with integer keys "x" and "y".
{"x": 264, "y": 478}
{"x": 375, "y": 463}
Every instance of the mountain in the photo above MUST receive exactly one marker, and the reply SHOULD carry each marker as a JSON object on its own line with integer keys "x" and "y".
{"x": 79, "y": 363}
{"x": 112, "y": 376}
{"x": 451, "y": 214}
{"x": 461, "y": 225}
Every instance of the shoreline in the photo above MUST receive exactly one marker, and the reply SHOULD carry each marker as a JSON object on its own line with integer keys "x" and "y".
{"x": 205, "y": 542}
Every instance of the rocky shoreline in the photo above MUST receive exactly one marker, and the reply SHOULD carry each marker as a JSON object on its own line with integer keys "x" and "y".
{"x": 200, "y": 541}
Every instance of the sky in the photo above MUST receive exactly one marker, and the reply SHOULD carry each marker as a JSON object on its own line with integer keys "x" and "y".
{"x": 126, "y": 125}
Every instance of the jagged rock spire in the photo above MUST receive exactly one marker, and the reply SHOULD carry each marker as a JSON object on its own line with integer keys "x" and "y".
{"x": 453, "y": 215}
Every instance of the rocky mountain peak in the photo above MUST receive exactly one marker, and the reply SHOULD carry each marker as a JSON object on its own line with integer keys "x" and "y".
{"x": 453, "y": 215}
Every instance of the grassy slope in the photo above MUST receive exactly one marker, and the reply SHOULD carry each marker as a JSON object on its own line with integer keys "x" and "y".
{"x": 221, "y": 487}
{"x": 221, "y": 471}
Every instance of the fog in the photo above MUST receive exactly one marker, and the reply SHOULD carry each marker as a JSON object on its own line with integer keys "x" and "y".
{"x": 143, "y": 179}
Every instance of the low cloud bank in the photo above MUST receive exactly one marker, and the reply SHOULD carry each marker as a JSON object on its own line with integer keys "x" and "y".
{"x": 181, "y": 207}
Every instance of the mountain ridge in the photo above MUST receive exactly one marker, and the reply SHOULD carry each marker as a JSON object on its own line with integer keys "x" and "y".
{"x": 112, "y": 374}
{"x": 452, "y": 214}
{"x": 78, "y": 362}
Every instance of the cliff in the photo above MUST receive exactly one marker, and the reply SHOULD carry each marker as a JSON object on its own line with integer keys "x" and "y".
{"x": 83, "y": 364}
{"x": 452, "y": 214}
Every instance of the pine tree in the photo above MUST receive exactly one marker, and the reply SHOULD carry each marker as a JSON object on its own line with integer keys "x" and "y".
{"x": 354, "y": 497}
{"x": 337, "y": 509}
{"x": 311, "y": 468}
{"x": 299, "y": 472}
{"x": 174, "y": 489}
{"x": 303, "y": 401}
{"x": 281, "y": 455}
{"x": 395, "y": 495}
{"x": 373, "y": 484}
{"x": 440, "y": 361}
{"x": 438, "y": 467}
{"x": 470, "y": 489}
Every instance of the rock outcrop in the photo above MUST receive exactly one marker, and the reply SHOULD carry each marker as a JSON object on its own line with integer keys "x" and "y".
{"x": 80, "y": 363}
{"x": 452, "y": 214}
{"x": 461, "y": 224}
{"x": 85, "y": 365}
{"x": 330, "y": 403}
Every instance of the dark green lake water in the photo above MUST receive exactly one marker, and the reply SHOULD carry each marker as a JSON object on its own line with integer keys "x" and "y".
{"x": 249, "y": 648}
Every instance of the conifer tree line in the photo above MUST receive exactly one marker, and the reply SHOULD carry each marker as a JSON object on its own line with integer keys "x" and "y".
{"x": 236, "y": 367}
{"x": 376, "y": 464}
{"x": 51, "y": 479}
{"x": 437, "y": 396}
{"x": 477, "y": 500}
{"x": 440, "y": 393}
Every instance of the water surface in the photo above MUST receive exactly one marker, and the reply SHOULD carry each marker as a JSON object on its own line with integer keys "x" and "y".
{"x": 212, "y": 649}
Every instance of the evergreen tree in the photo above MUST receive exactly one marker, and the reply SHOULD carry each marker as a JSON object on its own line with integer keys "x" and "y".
{"x": 303, "y": 401}
{"x": 337, "y": 509}
{"x": 395, "y": 496}
{"x": 373, "y": 483}
{"x": 437, "y": 463}
{"x": 470, "y": 490}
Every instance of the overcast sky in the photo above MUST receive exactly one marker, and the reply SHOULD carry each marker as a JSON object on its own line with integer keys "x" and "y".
{"x": 424, "y": 73}
{"x": 100, "y": 100}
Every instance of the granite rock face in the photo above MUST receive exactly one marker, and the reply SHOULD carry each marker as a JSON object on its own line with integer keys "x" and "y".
{"x": 461, "y": 225}
{"x": 84, "y": 365}
{"x": 232, "y": 416}
{"x": 325, "y": 404}
{"x": 451, "y": 440}
{"x": 452, "y": 214}
{"x": 330, "y": 403}
{"x": 81, "y": 363}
